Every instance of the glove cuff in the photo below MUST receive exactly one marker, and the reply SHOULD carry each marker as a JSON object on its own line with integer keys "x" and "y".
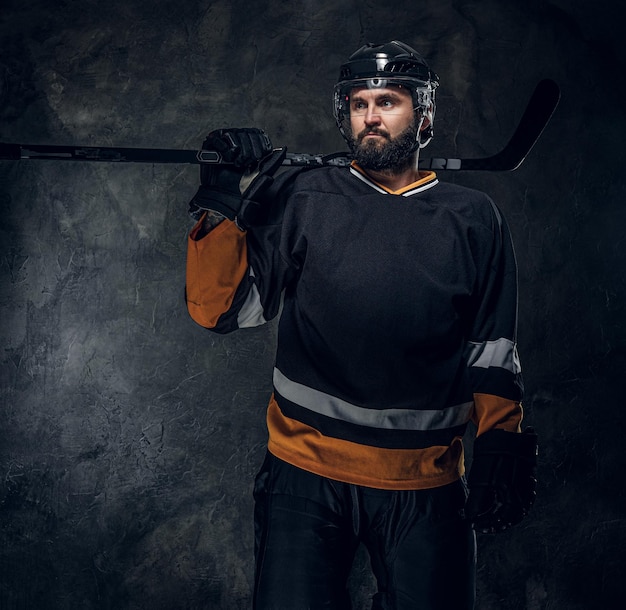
{"x": 219, "y": 200}
{"x": 501, "y": 442}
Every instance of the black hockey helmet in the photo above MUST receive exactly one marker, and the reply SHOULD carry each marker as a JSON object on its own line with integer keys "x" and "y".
{"x": 380, "y": 65}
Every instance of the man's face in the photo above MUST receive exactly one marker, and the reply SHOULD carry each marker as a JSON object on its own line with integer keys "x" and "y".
{"x": 384, "y": 128}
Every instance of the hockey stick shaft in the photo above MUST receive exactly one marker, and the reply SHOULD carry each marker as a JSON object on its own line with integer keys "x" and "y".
{"x": 535, "y": 118}
{"x": 17, "y": 152}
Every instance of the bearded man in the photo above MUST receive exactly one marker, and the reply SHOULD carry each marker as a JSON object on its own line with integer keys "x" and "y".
{"x": 397, "y": 296}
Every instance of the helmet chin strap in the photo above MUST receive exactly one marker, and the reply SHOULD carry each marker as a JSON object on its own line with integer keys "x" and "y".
{"x": 418, "y": 136}
{"x": 423, "y": 116}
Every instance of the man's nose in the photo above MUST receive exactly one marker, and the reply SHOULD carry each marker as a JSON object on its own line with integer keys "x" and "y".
{"x": 372, "y": 116}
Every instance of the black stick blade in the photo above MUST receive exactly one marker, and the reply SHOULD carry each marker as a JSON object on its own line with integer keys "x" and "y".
{"x": 541, "y": 106}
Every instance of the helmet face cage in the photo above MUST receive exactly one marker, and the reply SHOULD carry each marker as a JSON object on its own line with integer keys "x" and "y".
{"x": 422, "y": 93}
{"x": 392, "y": 64}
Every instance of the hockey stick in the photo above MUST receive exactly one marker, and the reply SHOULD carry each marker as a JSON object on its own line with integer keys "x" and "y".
{"x": 542, "y": 104}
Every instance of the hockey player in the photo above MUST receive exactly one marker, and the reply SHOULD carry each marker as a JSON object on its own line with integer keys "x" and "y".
{"x": 398, "y": 328}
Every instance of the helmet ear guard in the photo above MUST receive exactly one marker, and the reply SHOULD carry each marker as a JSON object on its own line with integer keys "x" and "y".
{"x": 378, "y": 66}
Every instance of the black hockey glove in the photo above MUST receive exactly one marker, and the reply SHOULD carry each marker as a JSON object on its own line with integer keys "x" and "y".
{"x": 502, "y": 479}
{"x": 235, "y": 188}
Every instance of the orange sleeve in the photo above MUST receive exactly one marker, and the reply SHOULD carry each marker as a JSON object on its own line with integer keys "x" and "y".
{"x": 496, "y": 412}
{"x": 216, "y": 265}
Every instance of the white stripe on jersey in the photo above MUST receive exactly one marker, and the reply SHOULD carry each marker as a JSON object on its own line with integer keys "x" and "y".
{"x": 388, "y": 419}
{"x": 251, "y": 314}
{"x": 501, "y": 353}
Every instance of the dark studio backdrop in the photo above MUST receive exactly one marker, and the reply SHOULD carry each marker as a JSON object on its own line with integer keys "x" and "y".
{"x": 129, "y": 436}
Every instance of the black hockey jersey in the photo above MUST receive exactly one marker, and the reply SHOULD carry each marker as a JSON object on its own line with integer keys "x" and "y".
{"x": 397, "y": 327}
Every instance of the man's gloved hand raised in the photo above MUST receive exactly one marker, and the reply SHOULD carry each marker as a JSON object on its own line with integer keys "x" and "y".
{"x": 235, "y": 187}
{"x": 502, "y": 479}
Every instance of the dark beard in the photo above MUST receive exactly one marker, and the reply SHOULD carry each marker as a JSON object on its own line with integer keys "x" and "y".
{"x": 394, "y": 156}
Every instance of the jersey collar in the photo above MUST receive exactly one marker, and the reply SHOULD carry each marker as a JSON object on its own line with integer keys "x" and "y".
{"x": 427, "y": 180}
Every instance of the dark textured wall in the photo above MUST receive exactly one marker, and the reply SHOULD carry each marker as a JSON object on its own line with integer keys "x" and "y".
{"x": 129, "y": 436}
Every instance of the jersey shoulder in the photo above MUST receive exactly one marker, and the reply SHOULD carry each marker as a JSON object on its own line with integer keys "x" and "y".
{"x": 467, "y": 201}
{"x": 328, "y": 179}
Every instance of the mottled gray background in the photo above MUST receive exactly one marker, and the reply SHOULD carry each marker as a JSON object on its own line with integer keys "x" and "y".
{"x": 129, "y": 436}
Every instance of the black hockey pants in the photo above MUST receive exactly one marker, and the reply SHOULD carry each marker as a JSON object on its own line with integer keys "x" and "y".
{"x": 307, "y": 530}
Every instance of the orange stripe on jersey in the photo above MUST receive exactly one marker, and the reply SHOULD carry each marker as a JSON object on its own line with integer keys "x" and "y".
{"x": 496, "y": 412}
{"x": 216, "y": 264}
{"x": 423, "y": 179}
{"x": 306, "y": 448}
